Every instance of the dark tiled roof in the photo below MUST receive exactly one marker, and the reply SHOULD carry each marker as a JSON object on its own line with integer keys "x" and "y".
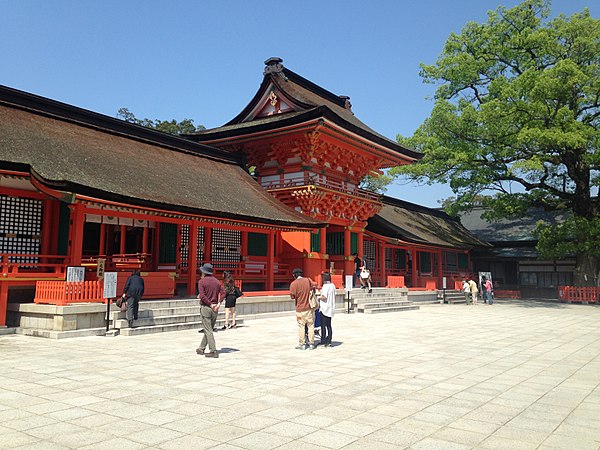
{"x": 307, "y": 97}
{"x": 420, "y": 225}
{"x": 509, "y": 230}
{"x": 147, "y": 171}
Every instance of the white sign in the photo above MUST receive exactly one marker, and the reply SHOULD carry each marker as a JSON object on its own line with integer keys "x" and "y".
{"x": 75, "y": 274}
{"x": 349, "y": 281}
{"x": 110, "y": 284}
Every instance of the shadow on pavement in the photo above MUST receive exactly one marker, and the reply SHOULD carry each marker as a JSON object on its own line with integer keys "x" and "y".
{"x": 228, "y": 350}
{"x": 538, "y": 303}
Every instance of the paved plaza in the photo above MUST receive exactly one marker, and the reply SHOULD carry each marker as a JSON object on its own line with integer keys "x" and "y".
{"x": 514, "y": 375}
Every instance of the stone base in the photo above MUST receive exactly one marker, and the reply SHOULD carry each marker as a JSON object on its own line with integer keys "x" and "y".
{"x": 61, "y": 334}
{"x": 56, "y": 322}
{"x": 6, "y": 330}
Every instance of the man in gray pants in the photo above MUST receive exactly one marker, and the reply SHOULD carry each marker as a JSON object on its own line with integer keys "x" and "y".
{"x": 211, "y": 294}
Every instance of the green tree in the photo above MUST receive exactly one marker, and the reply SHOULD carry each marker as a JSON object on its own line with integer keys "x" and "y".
{"x": 376, "y": 183}
{"x": 516, "y": 117}
{"x": 167, "y": 126}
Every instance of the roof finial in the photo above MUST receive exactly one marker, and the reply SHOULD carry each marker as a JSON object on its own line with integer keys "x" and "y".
{"x": 273, "y": 65}
{"x": 347, "y": 103}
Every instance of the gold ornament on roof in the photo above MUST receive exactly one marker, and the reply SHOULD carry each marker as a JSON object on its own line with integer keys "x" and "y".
{"x": 273, "y": 98}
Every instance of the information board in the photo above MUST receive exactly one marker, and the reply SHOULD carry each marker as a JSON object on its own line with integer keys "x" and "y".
{"x": 75, "y": 274}
{"x": 110, "y": 284}
{"x": 349, "y": 280}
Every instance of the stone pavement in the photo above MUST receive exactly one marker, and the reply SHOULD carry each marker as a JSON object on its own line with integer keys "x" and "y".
{"x": 514, "y": 375}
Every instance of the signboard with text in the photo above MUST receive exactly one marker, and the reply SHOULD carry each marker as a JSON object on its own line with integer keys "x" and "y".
{"x": 110, "y": 284}
{"x": 75, "y": 274}
{"x": 349, "y": 281}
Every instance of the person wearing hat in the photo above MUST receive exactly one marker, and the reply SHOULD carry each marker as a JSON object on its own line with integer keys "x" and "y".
{"x": 300, "y": 291}
{"x": 211, "y": 294}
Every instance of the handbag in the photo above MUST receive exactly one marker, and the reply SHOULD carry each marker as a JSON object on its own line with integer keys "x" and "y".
{"x": 122, "y": 304}
{"x": 313, "y": 299}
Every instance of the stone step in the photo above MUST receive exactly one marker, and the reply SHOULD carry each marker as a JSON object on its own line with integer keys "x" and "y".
{"x": 389, "y": 309}
{"x": 383, "y": 304}
{"x": 169, "y": 303}
{"x": 53, "y": 334}
{"x": 164, "y": 320}
{"x": 137, "y": 331}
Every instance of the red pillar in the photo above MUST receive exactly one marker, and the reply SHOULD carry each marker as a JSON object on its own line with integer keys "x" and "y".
{"x": 123, "y": 242}
{"x": 270, "y": 283}
{"x": 3, "y": 302}
{"x": 207, "y": 244}
{"x": 323, "y": 248}
{"x": 348, "y": 264}
{"x": 244, "y": 245}
{"x": 145, "y": 240}
{"x": 192, "y": 258}
{"x": 47, "y": 222}
{"x": 76, "y": 234}
{"x": 382, "y": 269}
{"x": 440, "y": 272}
{"x": 414, "y": 254}
{"x": 102, "y": 244}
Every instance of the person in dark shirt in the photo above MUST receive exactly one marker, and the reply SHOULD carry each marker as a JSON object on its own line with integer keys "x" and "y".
{"x": 357, "y": 265}
{"x": 232, "y": 293}
{"x": 211, "y": 294}
{"x": 133, "y": 292}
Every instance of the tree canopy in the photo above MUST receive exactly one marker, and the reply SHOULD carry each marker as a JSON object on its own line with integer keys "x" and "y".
{"x": 516, "y": 117}
{"x": 167, "y": 126}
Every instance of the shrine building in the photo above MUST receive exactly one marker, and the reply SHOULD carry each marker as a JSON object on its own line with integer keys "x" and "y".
{"x": 275, "y": 188}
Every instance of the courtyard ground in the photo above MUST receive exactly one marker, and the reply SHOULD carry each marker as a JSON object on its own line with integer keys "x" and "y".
{"x": 515, "y": 375}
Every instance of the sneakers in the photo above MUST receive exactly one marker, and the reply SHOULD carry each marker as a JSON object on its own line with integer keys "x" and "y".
{"x": 312, "y": 347}
{"x": 233, "y": 326}
{"x": 224, "y": 327}
{"x": 211, "y": 354}
{"x": 370, "y": 291}
{"x": 300, "y": 347}
{"x": 200, "y": 351}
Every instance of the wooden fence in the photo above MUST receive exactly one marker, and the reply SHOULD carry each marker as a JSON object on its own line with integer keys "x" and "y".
{"x": 62, "y": 293}
{"x": 574, "y": 294}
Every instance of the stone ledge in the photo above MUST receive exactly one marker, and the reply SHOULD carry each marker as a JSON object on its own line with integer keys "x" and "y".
{"x": 53, "y": 334}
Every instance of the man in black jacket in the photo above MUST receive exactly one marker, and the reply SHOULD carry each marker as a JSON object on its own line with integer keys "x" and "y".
{"x": 133, "y": 292}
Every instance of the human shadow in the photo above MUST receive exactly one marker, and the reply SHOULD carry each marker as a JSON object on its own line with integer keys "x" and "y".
{"x": 228, "y": 350}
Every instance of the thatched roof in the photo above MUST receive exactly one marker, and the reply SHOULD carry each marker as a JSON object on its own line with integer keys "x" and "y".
{"x": 75, "y": 150}
{"x": 421, "y": 225}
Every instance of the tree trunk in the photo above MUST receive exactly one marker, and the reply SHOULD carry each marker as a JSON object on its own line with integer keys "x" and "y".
{"x": 586, "y": 271}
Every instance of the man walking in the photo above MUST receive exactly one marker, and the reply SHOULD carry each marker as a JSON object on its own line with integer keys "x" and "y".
{"x": 211, "y": 294}
{"x": 357, "y": 269}
{"x": 132, "y": 293}
{"x": 300, "y": 290}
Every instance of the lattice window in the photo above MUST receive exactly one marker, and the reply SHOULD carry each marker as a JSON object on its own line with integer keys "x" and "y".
{"x": 370, "y": 254}
{"x": 388, "y": 258}
{"x": 335, "y": 243}
{"x": 185, "y": 241}
{"x": 20, "y": 227}
{"x": 226, "y": 245}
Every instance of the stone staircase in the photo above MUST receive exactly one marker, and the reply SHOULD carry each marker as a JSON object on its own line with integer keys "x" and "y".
{"x": 381, "y": 300}
{"x": 165, "y": 315}
{"x": 453, "y": 296}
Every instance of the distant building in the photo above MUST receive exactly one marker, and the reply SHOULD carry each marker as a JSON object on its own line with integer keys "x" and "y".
{"x": 513, "y": 259}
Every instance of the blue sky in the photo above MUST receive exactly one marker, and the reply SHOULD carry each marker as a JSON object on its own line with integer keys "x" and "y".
{"x": 203, "y": 60}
